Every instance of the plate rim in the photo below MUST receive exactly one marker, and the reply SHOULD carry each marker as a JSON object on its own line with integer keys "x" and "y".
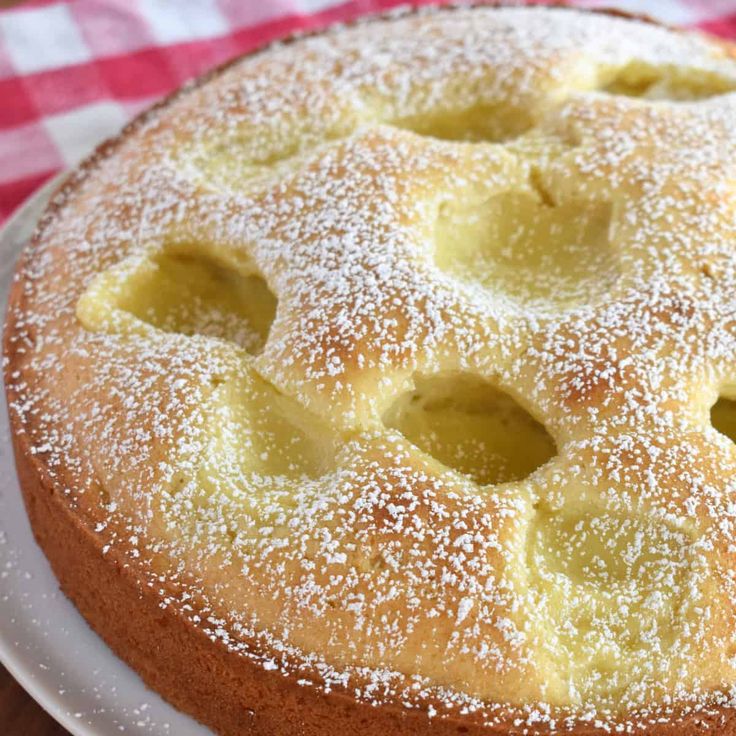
{"x": 10, "y": 655}
{"x": 17, "y": 654}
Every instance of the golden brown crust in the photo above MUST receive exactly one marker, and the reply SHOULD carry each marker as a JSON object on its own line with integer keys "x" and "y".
{"x": 222, "y": 688}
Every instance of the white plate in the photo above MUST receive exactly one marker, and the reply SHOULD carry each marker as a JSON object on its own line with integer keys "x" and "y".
{"x": 44, "y": 642}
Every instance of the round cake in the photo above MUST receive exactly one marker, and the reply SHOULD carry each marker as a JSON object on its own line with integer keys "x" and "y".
{"x": 384, "y": 381}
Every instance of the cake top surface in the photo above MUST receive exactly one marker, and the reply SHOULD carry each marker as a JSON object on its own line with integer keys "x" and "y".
{"x": 401, "y": 359}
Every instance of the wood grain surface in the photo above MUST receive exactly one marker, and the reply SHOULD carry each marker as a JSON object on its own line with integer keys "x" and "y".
{"x": 20, "y": 715}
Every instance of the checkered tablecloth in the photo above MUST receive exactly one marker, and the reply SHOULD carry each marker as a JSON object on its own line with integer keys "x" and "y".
{"x": 73, "y": 72}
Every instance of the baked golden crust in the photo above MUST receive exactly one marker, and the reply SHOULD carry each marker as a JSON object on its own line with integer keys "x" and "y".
{"x": 255, "y": 482}
{"x": 229, "y": 692}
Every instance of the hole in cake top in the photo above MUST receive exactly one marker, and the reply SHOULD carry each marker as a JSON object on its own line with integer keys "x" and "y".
{"x": 238, "y": 162}
{"x": 192, "y": 294}
{"x": 472, "y": 427}
{"x": 483, "y": 122}
{"x": 723, "y": 417}
{"x": 646, "y": 81}
{"x": 609, "y": 589}
{"x": 601, "y": 550}
{"x": 529, "y": 250}
{"x": 256, "y": 430}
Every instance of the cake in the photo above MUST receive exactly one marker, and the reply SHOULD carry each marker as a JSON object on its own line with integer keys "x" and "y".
{"x": 384, "y": 382}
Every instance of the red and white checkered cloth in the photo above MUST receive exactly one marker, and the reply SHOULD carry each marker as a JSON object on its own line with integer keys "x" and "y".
{"x": 73, "y": 72}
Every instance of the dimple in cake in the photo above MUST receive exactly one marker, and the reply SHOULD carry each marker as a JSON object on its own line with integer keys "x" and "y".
{"x": 382, "y": 382}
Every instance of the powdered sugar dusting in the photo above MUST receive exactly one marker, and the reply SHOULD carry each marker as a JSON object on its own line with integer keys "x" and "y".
{"x": 541, "y": 199}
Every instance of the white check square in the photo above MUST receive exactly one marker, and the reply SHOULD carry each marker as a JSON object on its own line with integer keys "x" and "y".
{"x": 186, "y": 20}
{"x": 76, "y": 133}
{"x": 38, "y": 39}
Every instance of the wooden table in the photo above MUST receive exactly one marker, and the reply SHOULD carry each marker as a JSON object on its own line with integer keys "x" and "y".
{"x": 20, "y": 715}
